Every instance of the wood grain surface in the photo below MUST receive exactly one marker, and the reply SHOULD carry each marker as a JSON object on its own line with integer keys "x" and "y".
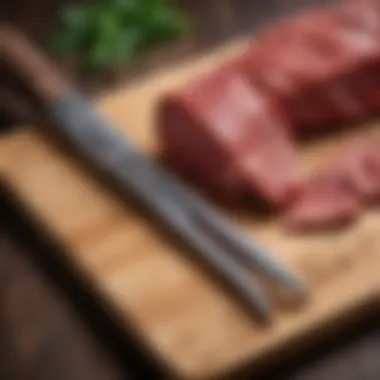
{"x": 186, "y": 317}
{"x": 42, "y": 337}
{"x": 48, "y": 318}
{"x": 60, "y": 333}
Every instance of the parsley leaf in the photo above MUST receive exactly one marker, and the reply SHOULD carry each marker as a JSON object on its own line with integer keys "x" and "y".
{"x": 109, "y": 33}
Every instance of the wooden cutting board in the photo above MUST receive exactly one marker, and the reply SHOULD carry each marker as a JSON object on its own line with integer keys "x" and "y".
{"x": 187, "y": 318}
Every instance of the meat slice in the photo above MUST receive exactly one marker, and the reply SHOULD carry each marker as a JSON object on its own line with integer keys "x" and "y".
{"x": 356, "y": 168}
{"x": 323, "y": 204}
{"x": 350, "y": 177}
{"x": 230, "y": 136}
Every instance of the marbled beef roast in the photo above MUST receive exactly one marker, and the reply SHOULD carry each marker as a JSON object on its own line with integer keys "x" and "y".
{"x": 323, "y": 65}
{"x": 233, "y": 127}
{"x": 225, "y": 133}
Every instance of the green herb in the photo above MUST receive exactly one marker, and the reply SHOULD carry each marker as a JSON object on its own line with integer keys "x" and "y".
{"x": 109, "y": 33}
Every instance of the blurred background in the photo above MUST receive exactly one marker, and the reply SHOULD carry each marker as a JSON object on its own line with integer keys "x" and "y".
{"x": 48, "y": 329}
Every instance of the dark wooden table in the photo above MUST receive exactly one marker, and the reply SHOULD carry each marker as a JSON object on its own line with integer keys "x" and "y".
{"x": 50, "y": 330}
{"x": 41, "y": 337}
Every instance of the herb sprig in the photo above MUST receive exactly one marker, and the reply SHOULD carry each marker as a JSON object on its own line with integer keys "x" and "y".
{"x": 109, "y": 33}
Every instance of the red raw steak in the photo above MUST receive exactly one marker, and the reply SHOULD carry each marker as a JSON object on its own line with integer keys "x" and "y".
{"x": 232, "y": 136}
{"x": 323, "y": 66}
{"x": 350, "y": 178}
{"x": 324, "y": 203}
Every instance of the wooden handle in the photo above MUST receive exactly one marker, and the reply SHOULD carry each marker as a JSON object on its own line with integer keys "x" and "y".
{"x": 32, "y": 66}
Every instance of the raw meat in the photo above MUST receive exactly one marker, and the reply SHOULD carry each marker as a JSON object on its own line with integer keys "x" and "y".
{"x": 229, "y": 136}
{"x": 355, "y": 167}
{"x": 324, "y": 203}
{"x": 323, "y": 66}
{"x": 373, "y": 167}
{"x": 350, "y": 178}
{"x": 232, "y": 128}
{"x": 287, "y": 62}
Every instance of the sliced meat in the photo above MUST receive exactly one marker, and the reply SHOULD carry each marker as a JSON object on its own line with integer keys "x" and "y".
{"x": 349, "y": 178}
{"x": 373, "y": 167}
{"x": 323, "y": 204}
{"x": 232, "y": 129}
{"x": 355, "y": 167}
{"x": 233, "y": 137}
